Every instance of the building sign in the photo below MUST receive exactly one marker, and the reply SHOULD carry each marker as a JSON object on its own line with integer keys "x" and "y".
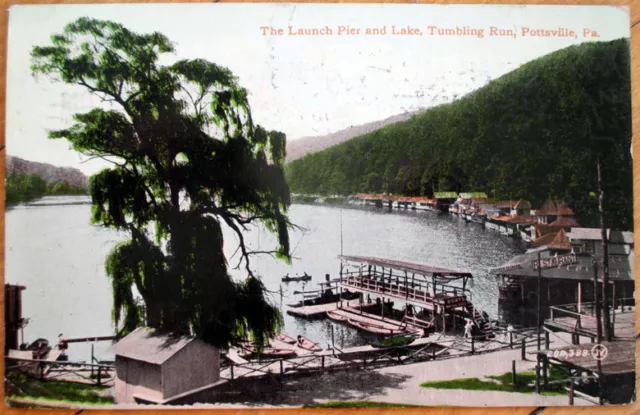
{"x": 507, "y": 268}
{"x": 555, "y": 262}
{"x": 455, "y": 301}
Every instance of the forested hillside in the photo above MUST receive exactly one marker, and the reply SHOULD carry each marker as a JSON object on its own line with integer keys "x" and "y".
{"x": 532, "y": 133}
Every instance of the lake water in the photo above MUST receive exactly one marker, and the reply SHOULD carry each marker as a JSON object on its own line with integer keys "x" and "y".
{"x": 54, "y": 251}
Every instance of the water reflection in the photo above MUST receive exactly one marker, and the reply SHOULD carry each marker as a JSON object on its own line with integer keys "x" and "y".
{"x": 54, "y": 250}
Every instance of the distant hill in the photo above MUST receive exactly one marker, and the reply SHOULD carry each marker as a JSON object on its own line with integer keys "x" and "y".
{"x": 300, "y": 147}
{"x": 48, "y": 172}
{"x": 532, "y": 133}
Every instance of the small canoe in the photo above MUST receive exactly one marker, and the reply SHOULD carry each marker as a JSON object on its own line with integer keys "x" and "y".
{"x": 308, "y": 345}
{"x": 374, "y": 328}
{"x": 268, "y": 352}
{"x": 302, "y": 278}
{"x": 336, "y": 317}
{"x": 286, "y": 339}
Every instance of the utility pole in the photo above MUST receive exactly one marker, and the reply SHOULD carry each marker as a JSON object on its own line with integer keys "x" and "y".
{"x": 538, "y": 326}
{"x": 596, "y": 284}
{"x": 341, "y": 253}
{"x": 605, "y": 258}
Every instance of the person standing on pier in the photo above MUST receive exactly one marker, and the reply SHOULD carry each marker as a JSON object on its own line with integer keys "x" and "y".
{"x": 467, "y": 328}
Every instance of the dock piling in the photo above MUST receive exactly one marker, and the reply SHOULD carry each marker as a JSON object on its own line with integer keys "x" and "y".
{"x": 546, "y": 340}
{"x": 92, "y": 356}
{"x": 571, "y": 392}
{"x": 538, "y": 374}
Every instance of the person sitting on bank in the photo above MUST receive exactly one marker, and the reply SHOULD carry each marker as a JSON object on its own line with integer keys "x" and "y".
{"x": 300, "y": 340}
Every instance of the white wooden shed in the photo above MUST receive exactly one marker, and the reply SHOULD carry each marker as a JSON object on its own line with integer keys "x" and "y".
{"x": 152, "y": 367}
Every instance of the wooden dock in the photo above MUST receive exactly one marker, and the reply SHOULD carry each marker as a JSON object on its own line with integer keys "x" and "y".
{"x": 362, "y": 318}
{"x": 620, "y": 357}
{"x": 314, "y": 311}
{"x": 585, "y": 325}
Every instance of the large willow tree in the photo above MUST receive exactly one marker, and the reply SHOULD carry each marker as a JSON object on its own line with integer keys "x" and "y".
{"x": 187, "y": 160}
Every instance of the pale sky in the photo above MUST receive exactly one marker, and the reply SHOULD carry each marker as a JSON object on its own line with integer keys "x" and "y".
{"x": 301, "y": 85}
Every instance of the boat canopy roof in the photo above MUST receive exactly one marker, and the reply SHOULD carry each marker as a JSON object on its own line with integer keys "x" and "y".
{"x": 422, "y": 269}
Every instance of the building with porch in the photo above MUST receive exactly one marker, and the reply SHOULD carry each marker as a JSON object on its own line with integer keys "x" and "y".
{"x": 566, "y": 274}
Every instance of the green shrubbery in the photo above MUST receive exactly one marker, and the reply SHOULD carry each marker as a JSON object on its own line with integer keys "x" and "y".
{"x": 24, "y": 187}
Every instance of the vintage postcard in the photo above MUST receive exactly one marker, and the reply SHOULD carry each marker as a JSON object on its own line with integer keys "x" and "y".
{"x": 318, "y": 205}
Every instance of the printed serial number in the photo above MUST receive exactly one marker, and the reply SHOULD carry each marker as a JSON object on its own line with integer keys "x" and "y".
{"x": 569, "y": 353}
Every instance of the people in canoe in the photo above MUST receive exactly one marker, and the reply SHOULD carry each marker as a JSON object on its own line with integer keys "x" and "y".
{"x": 307, "y": 344}
{"x": 298, "y": 277}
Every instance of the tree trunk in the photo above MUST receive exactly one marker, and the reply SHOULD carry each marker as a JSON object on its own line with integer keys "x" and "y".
{"x": 605, "y": 259}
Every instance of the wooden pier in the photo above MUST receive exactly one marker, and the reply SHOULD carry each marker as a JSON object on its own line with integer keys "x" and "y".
{"x": 567, "y": 319}
{"x": 373, "y": 323}
{"x": 439, "y": 291}
{"x": 315, "y": 311}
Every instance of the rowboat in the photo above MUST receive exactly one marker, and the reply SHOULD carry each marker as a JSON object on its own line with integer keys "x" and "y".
{"x": 307, "y": 344}
{"x": 286, "y": 339}
{"x": 268, "y": 351}
{"x": 337, "y": 317}
{"x": 304, "y": 277}
{"x": 379, "y": 329}
{"x": 374, "y": 328}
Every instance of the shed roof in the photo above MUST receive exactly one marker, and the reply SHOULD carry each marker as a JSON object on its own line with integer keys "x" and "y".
{"x": 149, "y": 345}
{"x": 595, "y": 234}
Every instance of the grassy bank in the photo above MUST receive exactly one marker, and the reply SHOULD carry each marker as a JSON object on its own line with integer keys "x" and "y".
{"x": 503, "y": 383}
{"x": 21, "y": 386}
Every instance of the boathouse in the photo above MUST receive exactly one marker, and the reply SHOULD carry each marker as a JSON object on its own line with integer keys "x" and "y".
{"x": 444, "y": 200}
{"x": 566, "y": 273}
{"x": 153, "y": 367}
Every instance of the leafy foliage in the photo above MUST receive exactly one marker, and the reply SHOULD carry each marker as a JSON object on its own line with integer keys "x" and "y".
{"x": 186, "y": 157}
{"x": 532, "y": 133}
{"x": 25, "y": 187}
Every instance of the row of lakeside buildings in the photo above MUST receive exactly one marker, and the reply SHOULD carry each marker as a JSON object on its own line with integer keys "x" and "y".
{"x": 566, "y": 248}
{"x": 549, "y": 225}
